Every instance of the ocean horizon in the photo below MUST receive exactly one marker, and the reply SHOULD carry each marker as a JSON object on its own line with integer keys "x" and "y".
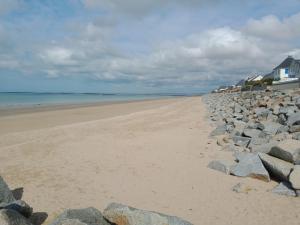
{"x": 28, "y": 99}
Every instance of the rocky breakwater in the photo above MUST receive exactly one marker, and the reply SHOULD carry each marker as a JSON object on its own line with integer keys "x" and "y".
{"x": 262, "y": 130}
{"x": 18, "y": 212}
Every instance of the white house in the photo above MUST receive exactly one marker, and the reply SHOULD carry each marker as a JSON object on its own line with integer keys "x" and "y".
{"x": 288, "y": 70}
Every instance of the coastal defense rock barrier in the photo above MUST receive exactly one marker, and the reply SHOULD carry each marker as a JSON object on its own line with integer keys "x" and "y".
{"x": 262, "y": 129}
{"x": 18, "y": 212}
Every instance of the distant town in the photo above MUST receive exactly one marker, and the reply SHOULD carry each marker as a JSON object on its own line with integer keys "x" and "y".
{"x": 285, "y": 75}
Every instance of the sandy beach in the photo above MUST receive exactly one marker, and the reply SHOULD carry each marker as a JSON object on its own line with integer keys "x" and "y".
{"x": 150, "y": 154}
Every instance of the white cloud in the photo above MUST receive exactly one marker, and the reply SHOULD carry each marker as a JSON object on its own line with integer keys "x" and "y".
{"x": 272, "y": 27}
{"x": 223, "y": 54}
{"x": 96, "y": 49}
{"x": 58, "y": 56}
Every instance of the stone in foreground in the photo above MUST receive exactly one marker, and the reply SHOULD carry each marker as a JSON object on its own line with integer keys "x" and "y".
{"x": 284, "y": 188}
{"x": 6, "y": 195}
{"x": 264, "y": 148}
{"x": 222, "y": 166}
{"x": 87, "y": 216}
{"x": 295, "y": 177}
{"x": 124, "y": 215}
{"x": 11, "y": 217}
{"x": 220, "y": 130}
{"x": 241, "y": 141}
{"x": 251, "y": 166}
{"x": 288, "y": 150}
{"x": 20, "y": 206}
{"x": 294, "y": 119}
{"x": 277, "y": 168}
{"x": 271, "y": 128}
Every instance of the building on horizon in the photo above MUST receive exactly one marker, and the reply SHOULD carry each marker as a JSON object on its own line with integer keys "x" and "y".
{"x": 288, "y": 70}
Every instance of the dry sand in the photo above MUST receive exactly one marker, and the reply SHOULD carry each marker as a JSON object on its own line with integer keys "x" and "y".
{"x": 151, "y": 155}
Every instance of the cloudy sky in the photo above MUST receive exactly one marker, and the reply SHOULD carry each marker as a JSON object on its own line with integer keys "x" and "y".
{"x": 142, "y": 45}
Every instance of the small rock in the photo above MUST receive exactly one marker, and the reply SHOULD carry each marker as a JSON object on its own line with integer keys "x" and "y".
{"x": 125, "y": 215}
{"x": 11, "y": 217}
{"x": 284, "y": 188}
{"x": 220, "y": 130}
{"x": 20, "y": 206}
{"x": 294, "y": 119}
{"x": 262, "y": 112}
{"x": 271, "y": 128}
{"x": 251, "y": 166}
{"x": 277, "y": 168}
{"x": 222, "y": 166}
{"x": 87, "y": 216}
{"x": 239, "y": 126}
{"x": 288, "y": 150}
{"x": 241, "y": 141}
{"x": 295, "y": 177}
{"x": 6, "y": 195}
{"x": 251, "y": 132}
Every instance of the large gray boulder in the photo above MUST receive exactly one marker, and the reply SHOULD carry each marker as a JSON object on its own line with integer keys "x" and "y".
{"x": 20, "y": 206}
{"x": 295, "y": 177}
{"x": 264, "y": 148}
{"x": 271, "y": 128}
{"x": 6, "y": 195}
{"x": 252, "y": 133}
{"x": 222, "y": 166}
{"x": 87, "y": 216}
{"x": 284, "y": 188}
{"x": 262, "y": 113}
{"x": 294, "y": 119}
{"x": 239, "y": 156}
{"x": 11, "y": 217}
{"x": 277, "y": 168}
{"x": 288, "y": 150}
{"x": 125, "y": 215}
{"x": 250, "y": 165}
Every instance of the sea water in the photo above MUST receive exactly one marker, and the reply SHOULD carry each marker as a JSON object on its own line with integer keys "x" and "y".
{"x": 27, "y": 99}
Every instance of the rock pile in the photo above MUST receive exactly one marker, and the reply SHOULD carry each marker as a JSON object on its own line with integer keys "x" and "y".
{"x": 17, "y": 212}
{"x": 262, "y": 129}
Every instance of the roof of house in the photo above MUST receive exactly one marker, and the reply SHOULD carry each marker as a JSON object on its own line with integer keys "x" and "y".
{"x": 253, "y": 77}
{"x": 269, "y": 76}
{"x": 287, "y": 62}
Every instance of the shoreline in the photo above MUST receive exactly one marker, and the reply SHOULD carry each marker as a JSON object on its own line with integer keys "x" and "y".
{"x": 28, "y": 109}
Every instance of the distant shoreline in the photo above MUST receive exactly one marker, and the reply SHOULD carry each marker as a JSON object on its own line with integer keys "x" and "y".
{"x": 28, "y": 100}
{"x": 27, "y": 109}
